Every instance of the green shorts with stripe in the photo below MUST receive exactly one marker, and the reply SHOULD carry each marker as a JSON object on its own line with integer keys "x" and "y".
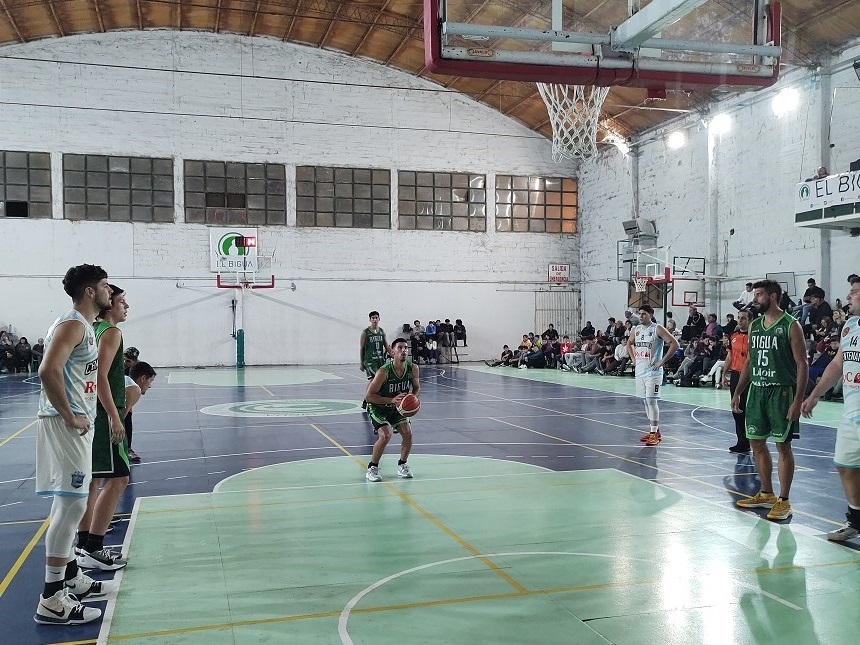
{"x": 109, "y": 459}
{"x": 373, "y": 365}
{"x": 385, "y": 415}
{"x": 766, "y": 411}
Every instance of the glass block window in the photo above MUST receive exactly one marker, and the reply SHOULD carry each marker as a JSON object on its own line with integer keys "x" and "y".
{"x": 230, "y": 192}
{"x": 343, "y": 197}
{"x": 536, "y": 204}
{"x": 442, "y": 201}
{"x": 118, "y": 189}
{"x": 25, "y": 184}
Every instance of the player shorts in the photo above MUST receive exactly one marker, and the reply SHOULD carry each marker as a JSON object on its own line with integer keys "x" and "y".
{"x": 64, "y": 459}
{"x": 765, "y": 413}
{"x": 847, "y": 453}
{"x": 385, "y": 415}
{"x": 109, "y": 459}
{"x": 648, "y": 387}
{"x": 372, "y": 366}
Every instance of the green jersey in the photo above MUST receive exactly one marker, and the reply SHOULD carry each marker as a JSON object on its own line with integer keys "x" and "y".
{"x": 395, "y": 384}
{"x": 771, "y": 359}
{"x": 116, "y": 373}
{"x": 374, "y": 346}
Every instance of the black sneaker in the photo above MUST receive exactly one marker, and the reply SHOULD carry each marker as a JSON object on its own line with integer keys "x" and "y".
{"x": 104, "y": 560}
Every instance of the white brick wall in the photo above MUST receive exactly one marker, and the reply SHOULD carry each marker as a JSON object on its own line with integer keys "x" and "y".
{"x": 204, "y": 96}
{"x": 746, "y": 183}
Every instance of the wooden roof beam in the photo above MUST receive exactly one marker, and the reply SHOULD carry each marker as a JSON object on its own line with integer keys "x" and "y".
{"x": 99, "y": 15}
{"x": 289, "y": 30}
{"x": 254, "y": 21}
{"x": 369, "y": 28}
{"x": 218, "y": 18}
{"x": 12, "y": 21}
{"x": 139, "y": 15}
{"x": 56, "y": 19}
{"x": 331, "y": 22}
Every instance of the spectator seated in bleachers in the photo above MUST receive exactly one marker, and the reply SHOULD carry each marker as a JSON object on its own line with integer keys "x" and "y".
{"x": 801, "y": 311}
{"x": 38, "y": 353}
{"x": 820, "y": 363}
{"x": 715, "y": 362}
{"x": 620, "y": 359}
{"x": 506, "y": 358}
{"x": 459, "y": 332}
{"x": 23, "y": 355}
{"x": 7, "y": 353}
{"x": 588, "y": 332}
{"x": 551, "y": 352}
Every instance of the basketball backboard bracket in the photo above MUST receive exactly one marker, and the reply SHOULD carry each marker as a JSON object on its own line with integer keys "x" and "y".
{"x": 462, "y": 41}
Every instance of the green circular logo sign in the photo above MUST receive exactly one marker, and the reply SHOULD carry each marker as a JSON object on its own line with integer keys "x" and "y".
{"x": 804, "y": 192}
{"x": 283, "y": 408}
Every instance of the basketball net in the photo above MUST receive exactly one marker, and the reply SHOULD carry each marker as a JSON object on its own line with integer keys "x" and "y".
{"x": 574, "y": 111}
{"x": 640, "y": 282}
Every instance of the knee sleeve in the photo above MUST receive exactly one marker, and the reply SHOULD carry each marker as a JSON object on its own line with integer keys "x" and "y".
{"x": 652, "y": 410}
{"x": 66, "y": 514}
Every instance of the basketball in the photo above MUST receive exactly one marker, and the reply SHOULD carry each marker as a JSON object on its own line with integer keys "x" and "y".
{"x": 409, "y": 405}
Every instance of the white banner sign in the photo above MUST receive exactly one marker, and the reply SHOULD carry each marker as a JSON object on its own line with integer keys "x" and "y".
{"x": 834, "y": 190}
{"x": 559, "y": 273}
{"x": 233, "y": 250}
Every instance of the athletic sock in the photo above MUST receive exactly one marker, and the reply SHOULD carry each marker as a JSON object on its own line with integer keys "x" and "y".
{"x": 83, "y": 536}
{"x": 95, "y": 543}
{"x": 370, "y": 464}
{"x": 854, "y": 516}
{"x": 54, "y": 579}
{"x": 400, "y": 462}
{"x": 71, "y": 569}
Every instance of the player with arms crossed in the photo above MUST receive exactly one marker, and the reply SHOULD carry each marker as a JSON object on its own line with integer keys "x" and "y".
{"x": 653, "y": 345}
{"x": 373, "y": 348}
{"x": 389, "y": 385}
{"x": 776, "y": 371}
{"x": 846, "y": 364}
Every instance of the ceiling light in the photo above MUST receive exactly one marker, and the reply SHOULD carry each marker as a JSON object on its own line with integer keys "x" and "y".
{"x": 784, "y": 102}
{"x": 618, "y": 141}
{"x": 720, "y": 124}
{"x": 676, "y": 140}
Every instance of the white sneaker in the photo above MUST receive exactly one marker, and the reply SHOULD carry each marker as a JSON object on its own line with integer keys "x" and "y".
{"x": 62, "y": 609}
{"x": 524, "y": 367}
{"x": 82, "y": 586}
{"x": 845, "y": 532}
{"x": 404, "y": 471}
{"x": 372, "y": 474}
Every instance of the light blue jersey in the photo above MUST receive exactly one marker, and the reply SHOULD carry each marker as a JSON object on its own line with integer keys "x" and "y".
{"x": 850, "y": 344}
{"x": 648, "y": 349}
{"x": 79, "y": 372}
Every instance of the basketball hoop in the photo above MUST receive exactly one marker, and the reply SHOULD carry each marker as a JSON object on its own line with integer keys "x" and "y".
{"x": 640, "y": 282}
{"x": 573, "y": 111}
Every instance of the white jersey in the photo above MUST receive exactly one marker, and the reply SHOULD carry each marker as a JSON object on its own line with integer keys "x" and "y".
{"x": 850, "y": 344}
{"x": 79, "y": 372}
{"x": 648, "y": 349}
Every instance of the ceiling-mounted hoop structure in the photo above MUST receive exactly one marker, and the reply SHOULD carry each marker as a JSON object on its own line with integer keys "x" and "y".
{"x": 618, "y": 61}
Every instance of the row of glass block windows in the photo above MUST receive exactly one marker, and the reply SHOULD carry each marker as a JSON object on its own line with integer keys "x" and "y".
{"x": 98, "y": 187}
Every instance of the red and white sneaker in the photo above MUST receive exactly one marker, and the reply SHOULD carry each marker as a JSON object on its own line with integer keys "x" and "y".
{"x": 653, "y": 439}
{"x": 644, "y": 437}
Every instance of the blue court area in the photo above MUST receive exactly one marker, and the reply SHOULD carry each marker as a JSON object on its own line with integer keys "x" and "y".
{"x": 561, "y": 517}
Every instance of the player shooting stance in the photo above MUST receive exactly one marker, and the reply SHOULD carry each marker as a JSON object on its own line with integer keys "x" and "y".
{"x": 647, "y": 354}
{"x": 389, "y": 385}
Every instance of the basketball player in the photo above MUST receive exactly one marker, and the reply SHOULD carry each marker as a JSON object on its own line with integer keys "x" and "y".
{"x": 647, "y": 353}
{"x": 67, "y": 409}
{"x": 110, "y": 459}
{"x": 373, "y": 349}
{"x": 389, "y": 385}
{"x": 776, "y": 371}
{"x": 846, "y": 364}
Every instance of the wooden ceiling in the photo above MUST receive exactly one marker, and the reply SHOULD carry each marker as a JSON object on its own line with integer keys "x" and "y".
{"x": 390, "y": 32}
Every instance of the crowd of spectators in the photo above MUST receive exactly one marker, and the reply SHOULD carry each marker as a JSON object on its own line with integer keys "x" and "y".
{"x": 17, "y": 355}
{"x": 704, "y": 341}
{"x": 431, "y": 343}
